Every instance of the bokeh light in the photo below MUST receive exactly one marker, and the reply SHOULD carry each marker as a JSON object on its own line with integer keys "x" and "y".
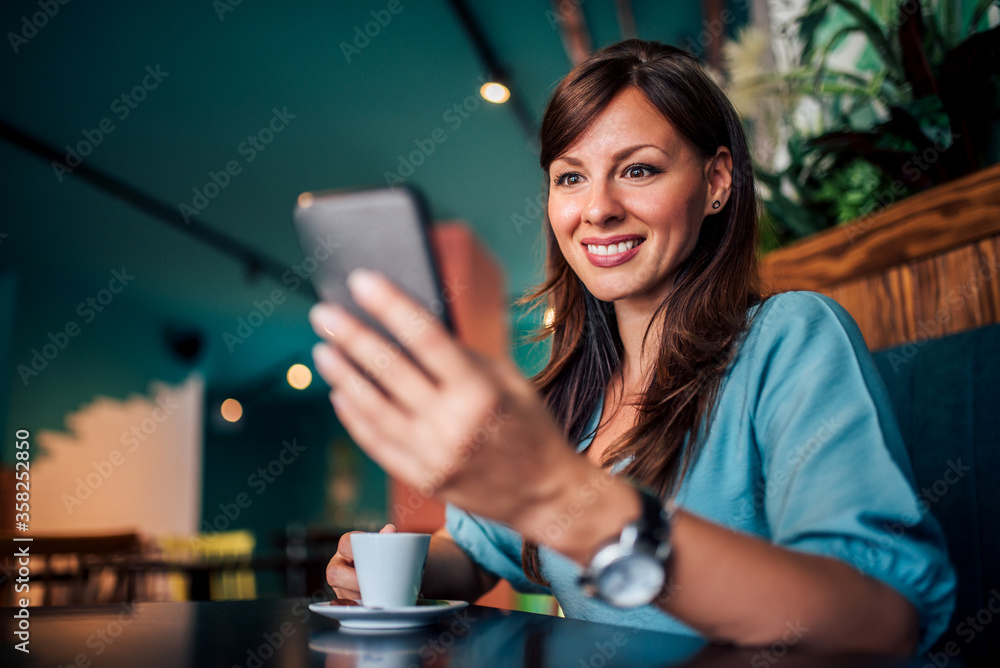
{"x": 299, "y": 376}
{"x": 231, "y": 410}
{"x": 494, "y": 92}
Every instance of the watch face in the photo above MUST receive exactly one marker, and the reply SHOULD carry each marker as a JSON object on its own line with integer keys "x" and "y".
{"x": 631, "y": 581}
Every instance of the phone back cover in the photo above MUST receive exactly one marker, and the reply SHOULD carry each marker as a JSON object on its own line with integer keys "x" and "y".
{"x": 384, "y": 230}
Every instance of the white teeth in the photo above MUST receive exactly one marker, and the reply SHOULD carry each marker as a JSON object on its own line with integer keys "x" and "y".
{"x": 613, "y": 249}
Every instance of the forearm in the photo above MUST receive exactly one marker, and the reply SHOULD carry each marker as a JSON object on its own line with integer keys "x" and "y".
{"x": 739, "y": 588}
{"x": 450, "y": 573}
{"x": 731, "y": 586}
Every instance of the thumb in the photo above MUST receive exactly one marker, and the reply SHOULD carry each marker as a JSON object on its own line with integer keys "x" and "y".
{"x": 388, "y": 528}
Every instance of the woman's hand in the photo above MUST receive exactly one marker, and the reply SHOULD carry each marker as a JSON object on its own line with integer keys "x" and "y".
{"x": 340, "y": 572}
{"x": 468, "y": 430}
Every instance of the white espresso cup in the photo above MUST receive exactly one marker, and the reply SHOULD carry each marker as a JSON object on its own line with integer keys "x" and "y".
{"x": 390, "y": 567}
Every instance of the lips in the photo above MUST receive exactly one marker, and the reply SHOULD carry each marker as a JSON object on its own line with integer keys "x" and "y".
{"x": 611, "y": 251}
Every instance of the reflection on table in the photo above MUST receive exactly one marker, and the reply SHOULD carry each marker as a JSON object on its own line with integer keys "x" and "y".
{"x": 282, "y": 633}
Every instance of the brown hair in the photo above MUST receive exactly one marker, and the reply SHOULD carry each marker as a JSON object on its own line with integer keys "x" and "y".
{"x": 704, "y": 315}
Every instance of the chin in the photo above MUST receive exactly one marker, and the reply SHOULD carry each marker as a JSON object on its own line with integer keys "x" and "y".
{"x": 608, "y": 293}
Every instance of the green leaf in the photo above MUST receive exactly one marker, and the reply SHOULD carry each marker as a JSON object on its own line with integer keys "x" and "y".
{"x": 809, "y": 23}
{"x": 879, "y": 40}
{"x": 978, "y": 14}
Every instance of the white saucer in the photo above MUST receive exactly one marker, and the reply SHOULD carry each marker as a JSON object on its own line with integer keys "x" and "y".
{"x": 352, "y": 615}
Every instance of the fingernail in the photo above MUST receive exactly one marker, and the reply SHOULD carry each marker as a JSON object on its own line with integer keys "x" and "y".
{"x": 363, "y": 282}
{"x": 327, "y": 317}
{"x": 322, "y": 355}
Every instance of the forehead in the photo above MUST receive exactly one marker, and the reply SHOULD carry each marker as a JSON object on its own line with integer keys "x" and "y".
{"x": 629, "y": 120}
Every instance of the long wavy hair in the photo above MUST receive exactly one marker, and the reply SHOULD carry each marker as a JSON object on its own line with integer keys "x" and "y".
{"x": 703, "y": 317}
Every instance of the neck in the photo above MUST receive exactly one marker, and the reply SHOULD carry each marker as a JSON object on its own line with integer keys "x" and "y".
{"x": 637, "y": 362}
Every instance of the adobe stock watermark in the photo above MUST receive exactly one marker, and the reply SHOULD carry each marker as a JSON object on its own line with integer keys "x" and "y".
{"x": 31, "y": 24}
{"x": 794, "y": 460}
{"x": 454, "y": 116}
{"x": 562, "y": 11}
{"x": 223, "y": 7}
{"x": 100, "y": 640}
{"x": 928, "y": 496}
{"x": 930, "y": 329}
{"x": 293, "y": 278}
{"x": 271, "y": 643}
{"x": 418, "y": 496}
{"x": 605, "y": 651}
{"x": 587, "y": 495}
{"x": 794, "y": 632}
{"x": 58, "y": 341}
{"x": 258, "y": 482}
{"x": 363, "y": 35}
{"x": 121, "y": 108}
{"x": 715, "y": 28}
{"x": 436, "y": 648}
{"x": 534, "y": 211}
{"x": 248, "y": 149}
{"x": 131, "y": 440}
{"x": 918, "y": 164}
{"x": 967, "y": 629}
{"x": 390, "y": 351}
{"x": 257, "y": 656}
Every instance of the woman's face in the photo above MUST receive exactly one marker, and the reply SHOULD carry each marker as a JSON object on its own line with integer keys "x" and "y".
{"x": 627, "y": 201}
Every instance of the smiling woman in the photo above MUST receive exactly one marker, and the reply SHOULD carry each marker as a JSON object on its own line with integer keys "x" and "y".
{"x": 695, "y": 457}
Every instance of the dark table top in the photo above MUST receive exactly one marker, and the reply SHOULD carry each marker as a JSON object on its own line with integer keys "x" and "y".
{"x": 280, "y": 633}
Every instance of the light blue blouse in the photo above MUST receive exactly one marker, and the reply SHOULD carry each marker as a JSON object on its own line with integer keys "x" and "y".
{"x": 803, "y": 450}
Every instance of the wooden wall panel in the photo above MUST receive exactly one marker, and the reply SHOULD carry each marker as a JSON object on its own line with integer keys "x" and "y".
{"x": 924, "y": 268}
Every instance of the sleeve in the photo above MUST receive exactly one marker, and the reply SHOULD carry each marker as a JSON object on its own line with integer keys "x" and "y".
{"x": 492, "y": 546}
{"x": 838, "y": 481}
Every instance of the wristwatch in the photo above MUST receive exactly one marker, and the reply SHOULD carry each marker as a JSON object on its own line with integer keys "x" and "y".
{"x": 632, "y": 571}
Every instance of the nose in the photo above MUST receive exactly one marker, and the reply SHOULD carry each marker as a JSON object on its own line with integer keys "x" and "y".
{"x": 603, "y": 206}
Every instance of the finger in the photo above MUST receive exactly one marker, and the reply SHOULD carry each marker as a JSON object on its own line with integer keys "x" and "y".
{"x": 378, "y": 409}
{"x": 346, "y": 594}
{"x": 397, "y": 461}
{"x": 412, "y": 325}
{"x": 381, "y": 361}
{"x": 340, "y": 576}
{"x": 388, "y": 528}
{"x": 344, "y": 549}
{"x": 375, "y": 423}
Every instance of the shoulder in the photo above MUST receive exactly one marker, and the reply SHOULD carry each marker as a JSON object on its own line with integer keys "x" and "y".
{"x": 801, "y": 320}
{"x": 803, "y": 339}
{"x": 798, "y": 308}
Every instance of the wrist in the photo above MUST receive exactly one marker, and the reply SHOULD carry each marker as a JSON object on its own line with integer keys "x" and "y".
{"x": 585, "y": 509}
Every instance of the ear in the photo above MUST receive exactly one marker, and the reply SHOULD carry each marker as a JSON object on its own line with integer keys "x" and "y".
{"x": 719, "y": 178}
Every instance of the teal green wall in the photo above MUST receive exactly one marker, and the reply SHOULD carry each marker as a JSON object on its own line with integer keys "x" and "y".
{"x": 115, "y": 352}
{"x": 8, "y": 308}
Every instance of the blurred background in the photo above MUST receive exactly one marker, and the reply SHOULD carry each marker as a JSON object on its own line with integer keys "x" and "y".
{"x": 153, "y": 296}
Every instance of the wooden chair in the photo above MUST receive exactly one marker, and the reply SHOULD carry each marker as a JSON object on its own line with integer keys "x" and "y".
{"x": 74, "y": 570}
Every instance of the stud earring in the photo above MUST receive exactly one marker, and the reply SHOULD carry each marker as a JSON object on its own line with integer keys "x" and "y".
{"x": 716, "y": 204}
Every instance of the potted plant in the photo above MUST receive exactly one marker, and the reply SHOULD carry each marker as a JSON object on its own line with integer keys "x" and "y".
{"x": 838, "y": 139}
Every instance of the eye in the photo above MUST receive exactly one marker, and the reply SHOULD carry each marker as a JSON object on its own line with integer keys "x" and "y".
{"x": 639, "y": 171}
{"x": 567, "y": 178}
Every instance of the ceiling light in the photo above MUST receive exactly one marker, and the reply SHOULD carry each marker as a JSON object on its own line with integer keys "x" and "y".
{"x": 494, "y": 92}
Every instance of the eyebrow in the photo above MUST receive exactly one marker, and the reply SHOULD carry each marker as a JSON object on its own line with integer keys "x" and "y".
{"x": 617, "y": 157}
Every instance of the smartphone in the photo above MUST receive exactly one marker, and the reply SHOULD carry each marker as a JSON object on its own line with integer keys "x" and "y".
{"x": 384, "y": 229}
